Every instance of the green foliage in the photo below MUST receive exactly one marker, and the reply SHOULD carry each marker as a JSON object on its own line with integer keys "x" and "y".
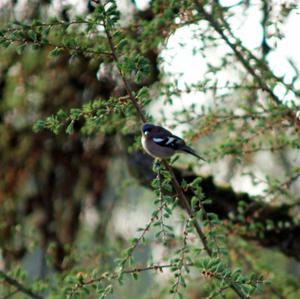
{"x": 48, "y": 185}
{"x": 94, "y": 115}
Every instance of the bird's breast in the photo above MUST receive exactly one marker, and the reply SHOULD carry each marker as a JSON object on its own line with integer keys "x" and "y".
{"x": 156, "y": 150}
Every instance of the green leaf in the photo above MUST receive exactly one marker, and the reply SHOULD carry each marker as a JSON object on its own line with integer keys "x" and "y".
{"x": 70, "y": 128}
{"x": 32, "y": 35}
{"x": 20, "y": 48}
{"x": 135, "y": 275}
{"x": 55, "y": 52}
{"x": 38, "y": 125}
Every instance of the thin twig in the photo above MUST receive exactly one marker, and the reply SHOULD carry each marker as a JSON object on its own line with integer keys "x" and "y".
{"x": 187, "y": 207}
{"x": 162, "y": 206}
{"x": 201, "y": 206}
{"x": 138, "y": 240}
{"x": 19, "y": 286}
{"x": 115, "y": 275}
{"x": 200, "y": 233}
{"x": 39, "y": 43}
{"x": 237, "y": 49}
{"x": 181, "y": 260}
{"x": 10, "y": 295}
{"x": 123, "y": 77}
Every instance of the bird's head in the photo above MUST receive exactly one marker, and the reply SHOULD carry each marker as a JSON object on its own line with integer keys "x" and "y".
{"x": 147, "y": 128}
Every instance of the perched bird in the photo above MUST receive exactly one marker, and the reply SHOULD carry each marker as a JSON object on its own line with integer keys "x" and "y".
{"x": 161, "y": 143}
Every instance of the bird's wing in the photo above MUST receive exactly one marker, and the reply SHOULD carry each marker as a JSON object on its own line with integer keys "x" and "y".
{"x": 168, "y": 140}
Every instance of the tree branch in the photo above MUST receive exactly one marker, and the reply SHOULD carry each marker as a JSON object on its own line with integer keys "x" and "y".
{"x": 187, "y": 207}
{"x": 244, "y": 55}
{"x": 123, "y": 77}
{"x": 226, "y": 201}
{"x": 20, "y": 287}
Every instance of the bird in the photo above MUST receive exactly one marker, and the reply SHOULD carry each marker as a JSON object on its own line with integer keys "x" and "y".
{"x": 160, "y": 143}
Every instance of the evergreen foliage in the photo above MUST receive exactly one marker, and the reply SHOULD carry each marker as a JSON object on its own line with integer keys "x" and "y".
{"x": 74, "y": 91}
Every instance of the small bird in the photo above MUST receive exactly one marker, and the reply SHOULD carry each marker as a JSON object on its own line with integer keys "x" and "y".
{"x": 161, "y": 143}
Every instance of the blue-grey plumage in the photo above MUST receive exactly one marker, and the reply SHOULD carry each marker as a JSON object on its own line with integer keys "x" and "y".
{"x": 158, "y": 142}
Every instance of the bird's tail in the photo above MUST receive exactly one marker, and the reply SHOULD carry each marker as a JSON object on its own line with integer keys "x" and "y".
{"x": 189, "y": 150}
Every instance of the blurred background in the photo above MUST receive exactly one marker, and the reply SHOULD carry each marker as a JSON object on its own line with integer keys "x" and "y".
{"x": 70, "y": 202}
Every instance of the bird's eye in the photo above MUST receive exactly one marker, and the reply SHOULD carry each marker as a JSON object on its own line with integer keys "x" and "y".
{"x": 147, "y": 130}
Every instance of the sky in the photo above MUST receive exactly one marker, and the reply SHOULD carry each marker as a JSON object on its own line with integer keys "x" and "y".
{"x": 247, "y": 27}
